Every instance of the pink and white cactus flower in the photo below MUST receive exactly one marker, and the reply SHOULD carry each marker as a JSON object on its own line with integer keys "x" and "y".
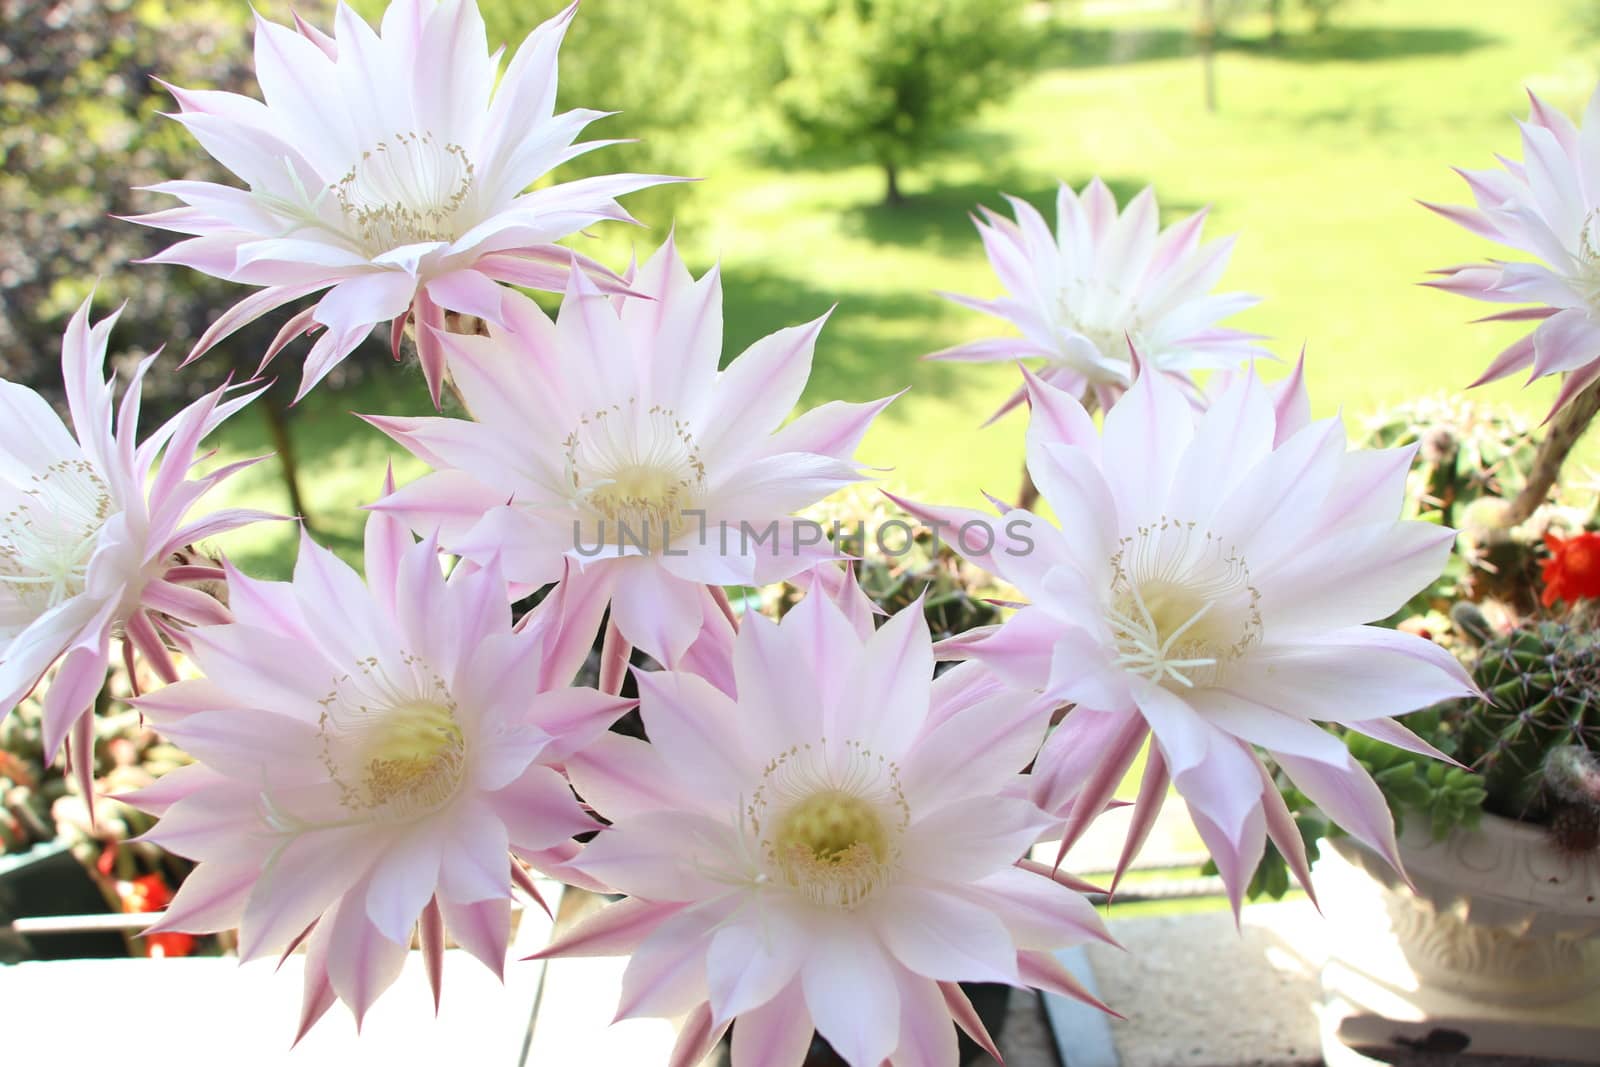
{"x": 90, "y": 543}
{"x": 1208, "y": 585}
{"x": 1101, "y": 282}
{"x": 834, "y": 847}
{"x": 366, "y": 758}
{"x": 1547, "y": 207}
{"x": 608, "y": 441}
{"x": 389, "y": 173}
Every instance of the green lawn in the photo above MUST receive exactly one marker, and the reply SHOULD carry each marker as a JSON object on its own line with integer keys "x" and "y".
{"x": 1315, "y": 158}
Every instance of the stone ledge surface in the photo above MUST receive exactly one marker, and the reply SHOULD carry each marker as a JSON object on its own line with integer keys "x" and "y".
{"x": 1199, "y": 992}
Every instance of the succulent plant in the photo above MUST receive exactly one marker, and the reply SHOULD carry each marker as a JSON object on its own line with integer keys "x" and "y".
{"x": 28, "y": 786}
{"x": 1533, "y": 746}
{"x": 1535, "y": 734}
{"x": 1418, "y": 786}
{"x": 39, "y": 803}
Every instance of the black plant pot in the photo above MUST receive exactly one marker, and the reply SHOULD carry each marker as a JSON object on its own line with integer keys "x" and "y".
{"x": 48, "y": 880}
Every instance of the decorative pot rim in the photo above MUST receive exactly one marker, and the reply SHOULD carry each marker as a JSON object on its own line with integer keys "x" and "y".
{"x": 1503, "y": 861}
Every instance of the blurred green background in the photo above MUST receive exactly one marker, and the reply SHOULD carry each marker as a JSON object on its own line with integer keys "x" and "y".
{"x": 1331, "y": 119}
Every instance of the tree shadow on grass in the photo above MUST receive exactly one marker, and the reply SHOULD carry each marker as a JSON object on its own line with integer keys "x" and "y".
{"x": 1358, "y": 44}
{"x": 1374, "y": 119}
{"x": 940, "y": 219}
{"x": 962, "y": 140}
{"x": 870, "y": 347}
{"x": 1068, "y": 46}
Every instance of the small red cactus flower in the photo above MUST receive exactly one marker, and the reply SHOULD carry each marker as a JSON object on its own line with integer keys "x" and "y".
{"x": 1573, "y": 570}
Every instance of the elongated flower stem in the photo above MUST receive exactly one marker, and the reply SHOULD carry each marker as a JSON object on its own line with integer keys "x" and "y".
{"x": 614, "y": 652}
{"x": 1565, "y": 430}
{"x": 462, "y": 324}
{"x": 720, "y": 595}
{"x": 1028, "y": 495}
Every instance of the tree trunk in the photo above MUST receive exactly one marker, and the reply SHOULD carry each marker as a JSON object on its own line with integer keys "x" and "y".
{"x": 891, "y": 191}
{"x": 1565, "y": 429}
{"x": 1028, "y": 495}
{"x": 1275, "y": 18}
{"x": 1207, "y": 33}
{"x": 278, "y": 428}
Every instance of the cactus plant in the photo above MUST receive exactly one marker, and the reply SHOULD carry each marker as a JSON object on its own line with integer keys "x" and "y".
{"x": 28, "y": 785}
{"x": 1473, "y": 459}
{"x": 1535, "y": 733}
{"x": 1572, "y": 791}
{"x": 900, "y": 560}
{"x": 1466, "y": 451}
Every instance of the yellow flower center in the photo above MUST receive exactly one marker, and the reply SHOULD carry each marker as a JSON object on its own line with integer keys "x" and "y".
{"x": 645, "y": 499}
{"x": 637, "y": 474}
{"x": 394, "y": 750}
{"x": 414, "y": 755}
{"x": 830, "y": 833}
{"x": 831, "y": 827}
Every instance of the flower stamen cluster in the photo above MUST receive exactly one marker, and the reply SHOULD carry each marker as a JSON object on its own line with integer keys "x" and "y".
{"x": 637, "y": 473}
{"x": 830, "y": 832}
{"x": 406, "y": 190}
{"x": 46, "y": 539}
{"x": 393, "y": 750}
{"x": 1176, "y": 613}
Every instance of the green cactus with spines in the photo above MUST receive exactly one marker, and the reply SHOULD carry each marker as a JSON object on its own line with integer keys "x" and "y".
{"x": 1536, "y": 729}
{"x": 957, "y": 596}
{"x": 1472, "y": 459}
{"x": 1541, "y": 690}
{"x": 1466, "y": 450}
{"x": 1572, "y": 785}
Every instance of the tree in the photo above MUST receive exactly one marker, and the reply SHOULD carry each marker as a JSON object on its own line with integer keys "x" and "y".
{"x": 688, "y": 67}
{"x": 889, "y": 80}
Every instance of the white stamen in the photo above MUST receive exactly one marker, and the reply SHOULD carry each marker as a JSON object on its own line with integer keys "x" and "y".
{"x": 406, "y": 190}
{"x": 1182, "y": 605}
{"x": 1104, "y": 315}
{"x": 1585, "y": 278}
{"x": 636, "y": 472}
{"x": 48, "y": 538}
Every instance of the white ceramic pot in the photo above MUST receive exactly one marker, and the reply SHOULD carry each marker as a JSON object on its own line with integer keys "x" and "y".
{"x": 1493, "y": 945}
{"x": 1494, "y": 905}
